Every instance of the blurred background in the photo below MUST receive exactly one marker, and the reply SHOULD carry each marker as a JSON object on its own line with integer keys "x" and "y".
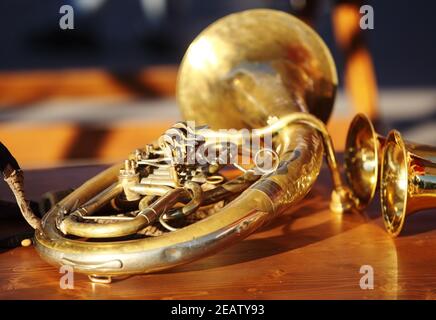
{"x": 94, "y": 93}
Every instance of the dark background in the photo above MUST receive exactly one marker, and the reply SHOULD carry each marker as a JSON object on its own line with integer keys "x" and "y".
{"x": 119, "y": 36}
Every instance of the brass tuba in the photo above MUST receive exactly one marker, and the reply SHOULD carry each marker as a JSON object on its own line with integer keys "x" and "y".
{"x": 261, "y": 70}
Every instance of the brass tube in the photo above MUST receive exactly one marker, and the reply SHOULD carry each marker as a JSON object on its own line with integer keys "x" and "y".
{"x": 122, "y": 228}
{"x": 255, "y": 206}
{"x": 150, "y": 189}
{"x": 159, "y": 182}
{"x": 99, "y": 200}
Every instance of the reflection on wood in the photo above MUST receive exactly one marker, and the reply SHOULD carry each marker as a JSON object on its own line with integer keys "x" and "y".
{"x": 308, "y": 253}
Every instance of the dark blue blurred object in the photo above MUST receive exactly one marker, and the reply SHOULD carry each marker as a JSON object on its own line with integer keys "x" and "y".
{"x": 130, "y": 34}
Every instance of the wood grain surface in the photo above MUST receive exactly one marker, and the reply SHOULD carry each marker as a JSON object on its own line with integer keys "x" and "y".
{"x": 308, "y": 253}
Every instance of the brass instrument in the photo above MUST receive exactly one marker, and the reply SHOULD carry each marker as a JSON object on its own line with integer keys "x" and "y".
{"x": 407, "y": 182}
{"x": 363, "y": 149}
{"x": 363, "y": 152}
{"x": 262, "y": 70}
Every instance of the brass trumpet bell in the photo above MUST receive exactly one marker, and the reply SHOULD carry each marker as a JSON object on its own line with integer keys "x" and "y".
{"x": 362, "y": 159}
{"x": 407, "y": 181}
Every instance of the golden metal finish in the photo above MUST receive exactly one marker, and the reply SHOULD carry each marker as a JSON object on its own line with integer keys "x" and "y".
{"x": 261, "y": 69}
{"x": 363, "y": 150}
{"x": 253, "y": 65}
{"x": 408, "y": 181}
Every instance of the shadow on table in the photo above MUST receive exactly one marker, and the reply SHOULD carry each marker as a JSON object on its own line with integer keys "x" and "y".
{"x": 280, "y": 236}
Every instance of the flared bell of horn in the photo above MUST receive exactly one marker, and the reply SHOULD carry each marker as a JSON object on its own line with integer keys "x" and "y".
{"x": 252, "y": 66}
{"x": 275, "y": 67}
{"x": 407, "y": 181}
{"x": 362, "y": 159}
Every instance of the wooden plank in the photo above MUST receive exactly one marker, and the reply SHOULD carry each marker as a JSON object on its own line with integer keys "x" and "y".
{"x": 308, "y": 253}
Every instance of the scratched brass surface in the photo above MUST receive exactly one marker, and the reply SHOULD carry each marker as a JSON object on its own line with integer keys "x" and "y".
{"x": 254, "y": 64}
{"x": 251, "y": 69}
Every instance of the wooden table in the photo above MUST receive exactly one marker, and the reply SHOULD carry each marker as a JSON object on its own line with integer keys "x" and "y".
{"x": 309, "y": 253}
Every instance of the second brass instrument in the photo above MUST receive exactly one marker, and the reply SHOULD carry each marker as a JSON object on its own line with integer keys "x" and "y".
{"x": 407, "y": 180}
{"x": 363, "y": 156}
{"x": 404, "y": 170}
